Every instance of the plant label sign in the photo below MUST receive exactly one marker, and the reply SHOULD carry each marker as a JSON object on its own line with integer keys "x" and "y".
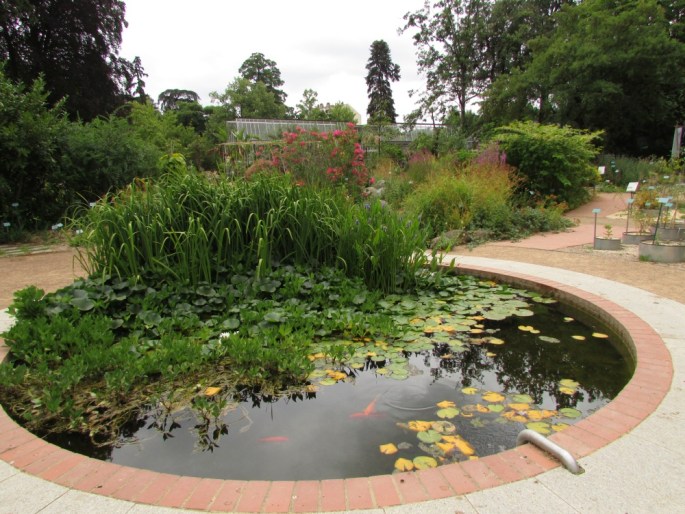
{"x": 632, "y": 187}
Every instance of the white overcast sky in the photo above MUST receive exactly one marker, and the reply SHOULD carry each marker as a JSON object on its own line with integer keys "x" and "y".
{"x": 324, "y": 46}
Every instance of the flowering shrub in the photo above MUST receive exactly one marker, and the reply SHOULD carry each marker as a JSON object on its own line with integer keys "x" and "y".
{"x": 322, "y": 159}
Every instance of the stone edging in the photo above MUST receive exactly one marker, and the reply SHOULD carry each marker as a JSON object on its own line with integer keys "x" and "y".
{"x": 648, "y": 386}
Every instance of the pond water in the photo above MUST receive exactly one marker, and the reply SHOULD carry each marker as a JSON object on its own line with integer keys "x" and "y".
{"x": 449, "y": 391}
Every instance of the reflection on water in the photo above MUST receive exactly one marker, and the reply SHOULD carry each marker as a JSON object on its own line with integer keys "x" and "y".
{"x": 337, "y": 431}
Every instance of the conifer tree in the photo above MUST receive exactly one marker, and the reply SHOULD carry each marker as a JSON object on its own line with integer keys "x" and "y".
{"x": 382, "y": 71}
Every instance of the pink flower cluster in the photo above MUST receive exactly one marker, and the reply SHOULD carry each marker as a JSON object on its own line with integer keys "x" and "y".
{"x": 323, "y": 158}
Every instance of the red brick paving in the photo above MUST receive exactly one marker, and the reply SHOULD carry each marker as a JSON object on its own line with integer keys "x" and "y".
{"x": 651, "y": 381}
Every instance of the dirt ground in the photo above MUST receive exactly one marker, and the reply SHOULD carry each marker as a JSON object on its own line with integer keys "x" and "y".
{"x": 58, "y": 268}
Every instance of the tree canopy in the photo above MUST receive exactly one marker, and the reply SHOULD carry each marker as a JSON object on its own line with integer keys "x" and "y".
{"x": 258, "y": 68}
{"x": 74, "y": 46}
{"x": 381, "y": 71}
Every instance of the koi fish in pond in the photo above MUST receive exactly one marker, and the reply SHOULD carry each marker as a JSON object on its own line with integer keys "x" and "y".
{"x": 369, "y": 411}
{"x": 273, "y": 439}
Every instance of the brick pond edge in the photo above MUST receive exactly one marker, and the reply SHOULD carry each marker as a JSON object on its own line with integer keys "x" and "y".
{"x": 649, "y": 384}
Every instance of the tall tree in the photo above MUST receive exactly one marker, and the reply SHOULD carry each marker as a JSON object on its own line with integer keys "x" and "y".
{"x": 245, "y": 99}
{"x": 73, "y": 45}
{"x": 258, "y": 68}
{"x": 170, "y": 98}
{"x": 450, "y": 38}
{"x": 381, "y": 71}
{"x": 608, "y": 65}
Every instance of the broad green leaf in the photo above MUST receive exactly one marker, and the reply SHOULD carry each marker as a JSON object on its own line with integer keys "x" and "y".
{"x": 83, "y": 304}
{"x": 571, "y": 413}
{"x": 495, "y": 407}
{"x": 429, "y": 436}
{"x": 448, "y": 413}
{"x": 540, "y": 427}
{"x": 425, "y": 462}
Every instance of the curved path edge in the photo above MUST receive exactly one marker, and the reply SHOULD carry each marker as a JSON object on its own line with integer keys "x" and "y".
{"x": 37, "y": 475}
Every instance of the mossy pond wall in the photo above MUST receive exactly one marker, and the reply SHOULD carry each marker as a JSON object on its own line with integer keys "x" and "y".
{"x": 456, "y": 389}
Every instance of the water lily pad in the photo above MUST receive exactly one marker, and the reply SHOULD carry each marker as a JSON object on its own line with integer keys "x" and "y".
{"x": 388, "y": 449}
{"x": 560, "y": 426}
{"x": 404, "y": 465}
{"x": 425, "y": 462}
{"x": 578, "y": 338}
{"x": 571, "y": 413}
{"x": 523, "y": 313}
{"x": 444, "y": 427}
{"x": 540, "y": 427}
{"x": 448, "y": 413}
{"x": 445, "y": 404}
{"x": 522, "y": 398}
{"x": 420, "y": 426}
{"x": 328, "y": 381}
{"x": 463, "y": 446}
{"x": 469, "y": 390}
{"x": 493, "y": 397}
{"x": 496, "y": 407}
{"x": 568, "y": 319}
{"x": 494, "y": 340}
{"x": 429, "y": 436}
{"x": 567, "y": 382}
{"x": 568, "y": 390}
{"x": 599, "y": 335}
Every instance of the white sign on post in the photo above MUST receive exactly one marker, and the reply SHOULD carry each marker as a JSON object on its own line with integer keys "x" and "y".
{"x": 601, "y": 169}
{"x": 632, "y": 187}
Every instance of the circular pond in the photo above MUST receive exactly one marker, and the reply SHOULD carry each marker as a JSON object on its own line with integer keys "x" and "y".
{"x": 474, "y": 364}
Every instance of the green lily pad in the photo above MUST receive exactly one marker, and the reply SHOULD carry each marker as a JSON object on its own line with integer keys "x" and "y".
{"x": 328, "y": 382}
{"x": 448, "y": 413}
{"x": 571, "y": 413}
{"x": 429, "y": 436}
{"x": 424, "y": 462}
{"x": 495, "y": 407}
{"x": 522, "y": 398}
{"x": 540, "y": 427}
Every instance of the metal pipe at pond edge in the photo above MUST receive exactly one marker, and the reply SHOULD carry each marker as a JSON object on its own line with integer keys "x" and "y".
{"x": 531, "y": 436}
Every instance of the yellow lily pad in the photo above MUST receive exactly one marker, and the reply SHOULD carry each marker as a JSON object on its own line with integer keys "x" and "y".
{"x": 567, "y": 390}
{"x": 578, "y": 338}
{"x": 495, "y": 340}
{"x": 567, "y": 382}
{"x": 388, "y": 449}
{"x": 404, "y": 465}
{"x": 599, "y": 335}
{"x": 540, "y": 427}
{"x": 459, "y": 443}
{"x": 493, "y": 397}
{"x": 420, "y": 426}
{"x": 445, "y": 404}
{"x": 469, "y": 390}
{"x": 519, "y": 406}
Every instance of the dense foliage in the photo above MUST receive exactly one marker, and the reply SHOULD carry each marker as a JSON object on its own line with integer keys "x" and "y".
{"x": 74, "y": 47}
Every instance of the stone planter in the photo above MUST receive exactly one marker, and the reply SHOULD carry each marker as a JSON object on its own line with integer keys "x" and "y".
{"x": 662, "y": 252}
{"x": 634, "y": 238}
{"x": 606, "y": 243}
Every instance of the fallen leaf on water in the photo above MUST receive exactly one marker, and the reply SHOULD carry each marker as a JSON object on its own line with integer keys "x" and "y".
{"x": 469, "y": 390}
{"x": 388, "y": 449}
{"x": 445, "y": 404}
{"x": 404, "y": 465}
{"x": 519, "y": 406}
{"x": 537, "y": 415}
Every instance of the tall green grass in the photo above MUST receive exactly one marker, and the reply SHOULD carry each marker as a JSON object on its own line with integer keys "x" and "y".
{"x": 192, "y": 229}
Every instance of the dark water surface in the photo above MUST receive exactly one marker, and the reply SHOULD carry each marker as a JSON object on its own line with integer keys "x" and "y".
{"x": 336, "y": 432}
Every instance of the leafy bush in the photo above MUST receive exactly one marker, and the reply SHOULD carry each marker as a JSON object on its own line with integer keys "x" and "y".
{"x": 556, "y": 162}
{"x": 32, "y": 193}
